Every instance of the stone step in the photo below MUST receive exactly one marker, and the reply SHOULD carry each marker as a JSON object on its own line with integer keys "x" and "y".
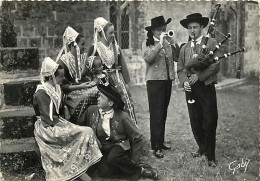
{"x": 17, "y": 92}
{"x": 14, "y": 111}
{"x": 17, "y": 122}
{"x": 18, "y": 145}
{"x": 17, "y": 58}
{"x": 229, "y": 82}
{"x": 19, "y": 78}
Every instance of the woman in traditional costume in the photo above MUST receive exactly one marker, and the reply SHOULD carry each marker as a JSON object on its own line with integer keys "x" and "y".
{"x": 80, "y": 91}
{"x": 67, "y": 150}
{"x": 113, "y": 61}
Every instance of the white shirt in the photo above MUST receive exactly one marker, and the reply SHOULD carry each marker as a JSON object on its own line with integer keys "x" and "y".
{"x": 106, "y": 116}
{"x": 198, "y": 41}
{"x": 156, "y": 39}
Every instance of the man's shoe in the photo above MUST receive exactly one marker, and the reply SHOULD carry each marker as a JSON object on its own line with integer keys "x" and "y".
{"x": 149, "y": 173}
{"x": 158, "y": 153}
{"x": 212, "y": 163}
{"x": 197, "y": 154}
{"x": 166, "y": 146}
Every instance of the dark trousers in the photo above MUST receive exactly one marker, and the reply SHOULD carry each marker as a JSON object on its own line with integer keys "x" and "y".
{"x": 159, "y": 95}
{"x": 203, "y": 117}
{"x": 117, "y": 163}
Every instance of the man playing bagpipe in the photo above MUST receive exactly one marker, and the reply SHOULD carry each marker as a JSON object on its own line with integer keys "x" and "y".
{"x": 198, "y": 74}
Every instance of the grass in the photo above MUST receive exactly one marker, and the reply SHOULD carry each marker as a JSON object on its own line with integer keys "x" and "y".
{"x": 237, "y": 137}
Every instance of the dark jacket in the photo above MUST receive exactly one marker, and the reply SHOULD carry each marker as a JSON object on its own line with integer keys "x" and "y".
{"x": 123, "y": 131}
{"x": 156, "y": 68}
{"x": 41, "y": 105}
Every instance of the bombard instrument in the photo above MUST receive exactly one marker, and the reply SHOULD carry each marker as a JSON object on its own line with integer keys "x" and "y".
{"x": 170, "y": 33}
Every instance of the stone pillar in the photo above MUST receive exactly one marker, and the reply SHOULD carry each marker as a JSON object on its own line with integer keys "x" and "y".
{"x": 251, "y": 38}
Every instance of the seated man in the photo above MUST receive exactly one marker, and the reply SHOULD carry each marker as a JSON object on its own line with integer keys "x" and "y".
{"x": 115, "y": 130}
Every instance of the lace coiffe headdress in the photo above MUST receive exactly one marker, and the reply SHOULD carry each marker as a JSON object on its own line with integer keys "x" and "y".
{"x": 99, "y": 24}
{"x": 69, "y": 37}
{"x": 48, "y": 69}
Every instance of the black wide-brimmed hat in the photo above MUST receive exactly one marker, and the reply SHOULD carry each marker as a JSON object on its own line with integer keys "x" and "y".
{"x": 195, "y": 17}
{"x": 111, "y": 92}
{"x": 157, "y": 22}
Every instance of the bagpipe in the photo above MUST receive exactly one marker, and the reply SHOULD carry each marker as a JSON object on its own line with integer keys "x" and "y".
{"x": 203, "y": 60}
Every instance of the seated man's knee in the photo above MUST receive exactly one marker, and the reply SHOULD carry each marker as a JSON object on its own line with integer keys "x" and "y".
{"x": 103, "y": 169}
{"x": 111, "y": 159}
{"x": 103, "y": 173}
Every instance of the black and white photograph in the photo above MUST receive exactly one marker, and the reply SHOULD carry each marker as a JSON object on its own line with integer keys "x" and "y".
{"x": 128, "y": 90}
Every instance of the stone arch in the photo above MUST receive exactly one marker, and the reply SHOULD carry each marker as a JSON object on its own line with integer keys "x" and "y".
{"x": 232, "y": 22}
{"x": 229, "y": 22}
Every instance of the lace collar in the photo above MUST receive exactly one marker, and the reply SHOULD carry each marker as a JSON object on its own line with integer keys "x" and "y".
{"x": 106, "y": 53}
{"x": 70, "y": 63}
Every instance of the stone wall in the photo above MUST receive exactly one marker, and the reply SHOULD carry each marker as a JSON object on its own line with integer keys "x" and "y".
{"x": 1, "y": 19}
{"x": 42, "y": 24}
{"x": 13, "y": 58}
{"x": 251, "y": 56}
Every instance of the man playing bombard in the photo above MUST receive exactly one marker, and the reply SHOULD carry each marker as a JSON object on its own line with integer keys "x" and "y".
{"x": 120, "y": 138}
{"x": 159, "y": 52}
{"x": 203, "y": 112}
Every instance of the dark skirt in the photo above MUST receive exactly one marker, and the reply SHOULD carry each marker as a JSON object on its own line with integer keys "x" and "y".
{"x": 79, "y": 100}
